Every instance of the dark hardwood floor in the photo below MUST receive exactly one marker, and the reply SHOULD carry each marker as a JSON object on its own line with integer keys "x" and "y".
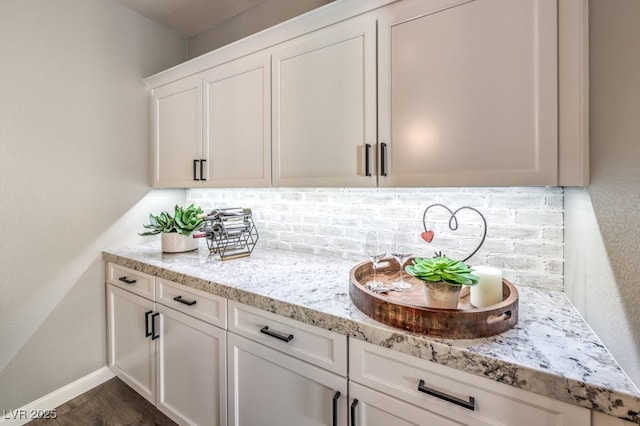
{"x": 111, "y": 403}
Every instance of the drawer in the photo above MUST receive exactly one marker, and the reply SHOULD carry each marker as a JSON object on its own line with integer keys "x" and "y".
{"x": 131, "y": 280}
{"x": 454, "y": 394}
{"x": 318, "y": 346}
{"x": 197, "y": 303}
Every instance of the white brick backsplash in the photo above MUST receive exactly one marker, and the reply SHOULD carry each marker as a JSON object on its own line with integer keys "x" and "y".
{"x": 524, "y": 225}
{"x": 554, "y": 201}
{"x": 539, "y": 217}
{"x": 553, "y": 234}
{"x": 304, "y": 228}
{"x": 551, "y": 251}
{"x": 510, "y": 231}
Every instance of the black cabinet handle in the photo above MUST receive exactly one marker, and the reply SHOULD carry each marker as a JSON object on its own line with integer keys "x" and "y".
{"x": 354, "y": 406}
{"x": 335, "y": 408}
{"x": 279, "y": 336}
{"x": 469, "y": 405}
{"x": 367, "y": 159}
{"x": 147, "y": 333}
{"x": 195, "y": 168}
{"x": 154, "y": 336}
{"x": 126, "y": 280}
{"x": 202, "y": 163}
{"x": 185, "y": 302}
{"x": 383, "y": 159}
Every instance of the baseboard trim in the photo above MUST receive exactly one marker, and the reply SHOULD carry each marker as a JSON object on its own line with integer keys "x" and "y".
{"x": 56, "y": 398}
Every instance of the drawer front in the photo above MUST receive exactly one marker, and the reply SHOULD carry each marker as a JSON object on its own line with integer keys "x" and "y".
{"x": 197, "y": 303}
{"x": 315, "y": 345}
{"x": 131, "y": 280}
{"x": 454, "y": 394}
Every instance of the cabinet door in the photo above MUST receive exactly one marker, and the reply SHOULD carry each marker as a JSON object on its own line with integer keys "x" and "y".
{"x": 177, "y": 133}
{"x": 454, "y": 394}
{"x": 324, "y": 107}
{"x": 131, "y": 351}
{"x": 269, "y": 388}
{"x": 237, "y": 111}
{"x": 468, "y": 93}
{"x": 191, "y": 369}
{"x": 371, "y": 408}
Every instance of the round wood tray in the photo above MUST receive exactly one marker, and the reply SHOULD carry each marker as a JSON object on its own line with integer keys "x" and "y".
{"x": 407, "y": 310}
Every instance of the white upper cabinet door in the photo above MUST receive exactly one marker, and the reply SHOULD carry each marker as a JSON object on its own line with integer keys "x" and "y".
{"x": 468, "y": 93}
{"x": 237, "y": 123}
{"x": 177, "y": 133}
{"x": 323, "y": 106}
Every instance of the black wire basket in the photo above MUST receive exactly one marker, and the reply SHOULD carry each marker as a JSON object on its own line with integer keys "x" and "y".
{"x": 230, "y": 232}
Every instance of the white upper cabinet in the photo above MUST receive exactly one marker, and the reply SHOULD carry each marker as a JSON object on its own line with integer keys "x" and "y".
{"x": 237, "y": 123}
{"x": 385, "y": 93}
{"x": 468, "y": 93}
{"x": 213, "y": 129}
{"x": 177, "y": 133}
{"x": 323, "y": 105}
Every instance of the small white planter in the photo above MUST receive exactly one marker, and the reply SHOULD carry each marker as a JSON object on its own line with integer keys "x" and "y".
{"x": 173, "y": 242}
{"x": 442, "y": 295}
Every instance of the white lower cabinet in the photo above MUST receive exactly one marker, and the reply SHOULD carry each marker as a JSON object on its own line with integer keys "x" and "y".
{"x": 176, "y": 361}
{"x": 282, "y": 372}
{"x": 270, "y": 370}
{"x": 132, "y": 353}
{"x": 416, "y": 391}
{"x": 372, "y": 408}
{"x": 191, "y": 369}
{"x": 601, "y": 419}
{"x": 269, "y": 388}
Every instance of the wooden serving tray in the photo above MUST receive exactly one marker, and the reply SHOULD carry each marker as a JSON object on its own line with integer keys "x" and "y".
{"x": 407, "y": 310}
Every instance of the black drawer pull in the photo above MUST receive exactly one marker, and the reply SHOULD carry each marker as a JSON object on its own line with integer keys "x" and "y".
{"x": 367, "y": 159}
{"x": 383, "y": 159}
{"x": 354, "y": 407}
{"x": 279, "y": 336}
{"x": 147, "y": 333}
{"x": 469, "y": 405}
{"x": 126, "y": 280}
{"x": 195, "y": 168}
{"x": 185, "y": 302}
{"x": 202, "y": 163}
{"x": 154, "y": 336}
{"x": 336, "y": 397}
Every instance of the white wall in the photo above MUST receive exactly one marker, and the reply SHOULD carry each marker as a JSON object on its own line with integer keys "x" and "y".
{"x": 603, "y": 224}
{"x": 590, "y": 283}
{"x": 73, "y": 178}
{"x": 264, "y": 15}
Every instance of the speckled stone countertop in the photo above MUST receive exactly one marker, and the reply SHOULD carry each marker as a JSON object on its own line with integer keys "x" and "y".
{"x": 551, "y": 351}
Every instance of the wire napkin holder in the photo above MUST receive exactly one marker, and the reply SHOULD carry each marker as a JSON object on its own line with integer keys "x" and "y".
{"x": 230, "y": 232}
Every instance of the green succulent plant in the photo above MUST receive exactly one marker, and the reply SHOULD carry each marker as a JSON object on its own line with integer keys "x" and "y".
{"x": 184, "y": 221}
{"x": 442, "y": 268}
{"x": 188, "y": 219}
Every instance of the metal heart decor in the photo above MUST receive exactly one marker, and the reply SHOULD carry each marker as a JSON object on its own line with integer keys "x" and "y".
{"x": 429, "y": 231}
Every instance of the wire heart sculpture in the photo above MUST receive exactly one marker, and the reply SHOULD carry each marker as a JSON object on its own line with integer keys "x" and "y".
{"x": 428, "y": 234}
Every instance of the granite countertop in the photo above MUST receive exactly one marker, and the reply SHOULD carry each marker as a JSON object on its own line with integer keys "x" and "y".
{"x": 551, "y": 351}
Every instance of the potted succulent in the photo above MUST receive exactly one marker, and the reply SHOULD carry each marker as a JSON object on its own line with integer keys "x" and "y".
{"x": 176, "y": 230}
{"x": 443, "y": 278}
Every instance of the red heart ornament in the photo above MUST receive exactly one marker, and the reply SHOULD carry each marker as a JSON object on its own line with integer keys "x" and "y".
{"x": 427, "y": 236}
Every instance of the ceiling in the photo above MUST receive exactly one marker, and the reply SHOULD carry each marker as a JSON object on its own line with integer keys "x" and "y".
{"x": 191, "y": 17}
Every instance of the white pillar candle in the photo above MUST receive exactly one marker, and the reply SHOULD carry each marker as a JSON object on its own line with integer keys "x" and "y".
{"x": 488, "y": 291}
